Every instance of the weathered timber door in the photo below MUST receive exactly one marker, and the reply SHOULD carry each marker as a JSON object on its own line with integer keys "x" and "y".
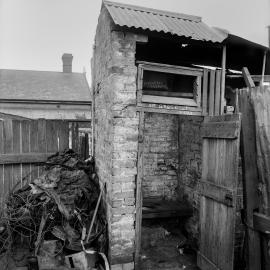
{"x": 218, "y": 191}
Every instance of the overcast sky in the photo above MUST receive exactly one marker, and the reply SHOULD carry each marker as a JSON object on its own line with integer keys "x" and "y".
{"x": 35, "y": 33}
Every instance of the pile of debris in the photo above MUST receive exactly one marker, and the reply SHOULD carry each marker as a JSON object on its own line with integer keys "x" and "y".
{"x": 62, "y": 206}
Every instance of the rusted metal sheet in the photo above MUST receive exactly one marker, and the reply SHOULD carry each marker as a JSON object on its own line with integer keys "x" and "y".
{"x": 162, "y": 21}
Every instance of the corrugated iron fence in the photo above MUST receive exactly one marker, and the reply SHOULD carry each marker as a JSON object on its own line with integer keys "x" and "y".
{"x": 24, "y": 144}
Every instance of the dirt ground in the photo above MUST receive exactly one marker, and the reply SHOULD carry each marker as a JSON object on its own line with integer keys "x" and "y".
{"x": 161, "y": 250}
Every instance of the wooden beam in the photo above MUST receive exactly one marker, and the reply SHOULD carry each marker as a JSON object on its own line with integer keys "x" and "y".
{"x": 24, "y": 158}
{"x": 218, "y": 96}
{"x": 170, "y": 100}
{"x": 261, "y": 223}
{"x": 170, "y": 68}
{"x": 248, "y": 80}
{"x": 255, "y": 78}
{"x": 181, "y": 110}
{"x": 218, "y": 193}
{"x": 263, "y": 68}
{"x": 212, "y": 93}
{"x": 221, "y": 130}
{"x": 138, "y": 218}
{"x": 223, "y": 74}
{"x": 205, "y": 92}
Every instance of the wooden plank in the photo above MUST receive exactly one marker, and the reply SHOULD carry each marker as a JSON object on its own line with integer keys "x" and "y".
{"x": 171, "y": 69}
{"x": 222, "y": 118}
{"x": 212, "y": 92}
{"x": 25, "y": 141}
{"x": 248, "y": 80}
{"x": 258, "y": 78}
{"x": 163, "y": 108}
{"x": 221, "y": 130}
{"x": 51, "y": 136}
{"x": 139, "y": 84}
{"x": 17, "y": 148}
{"x": 223, "y": 79}
{"x": 75, "y": 136}
{"x": 138, "y": 218}
{"x": 218, "y": 200}
{"x": 2, "y": 191}
{"x": 260, "y": 99}
{"x": 205, "y": 92}
{"x": 261, "y": 223}
{"x": 42, "y": 142}
{"x": 198, "y": 92}
{"x": 170, "y": 100}
{"x": 23, "y": 158}
{"x": 217, "y": 93}
{"x": 161, "y": 209}
{"x": 169, "y": 214}
{"x": 218, "y": 193}
{"x": 255, "y": 78}
{"x": 250, "y": 176}
{"x": 8, "y": 148}
{"x": 263, "y": 67}
{"x": 167, "y": 93}
{"x": 34, "y": 146}
{"x": 63, "y": 135}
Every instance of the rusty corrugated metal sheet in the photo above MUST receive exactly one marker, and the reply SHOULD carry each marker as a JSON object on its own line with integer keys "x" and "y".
{"x": 162, "y": 21}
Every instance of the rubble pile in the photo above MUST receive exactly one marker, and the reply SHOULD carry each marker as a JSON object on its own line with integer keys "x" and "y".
{"x": 58, "y": 205}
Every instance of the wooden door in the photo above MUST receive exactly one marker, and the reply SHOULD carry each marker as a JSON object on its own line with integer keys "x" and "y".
{"x": 218, "y": 191}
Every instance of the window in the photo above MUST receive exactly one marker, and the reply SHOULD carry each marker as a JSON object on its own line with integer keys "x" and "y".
{"x": 170, "y": 84}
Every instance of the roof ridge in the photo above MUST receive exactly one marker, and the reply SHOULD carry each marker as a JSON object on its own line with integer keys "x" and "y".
{"x": 155, "y": 11}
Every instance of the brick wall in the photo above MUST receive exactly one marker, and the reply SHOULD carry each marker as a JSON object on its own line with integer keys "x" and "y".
{"x": 160, "y": 179}
{"x": 190, "y": 166}
{"x": 101, "y": 81}
{"x": 116, "y": 133}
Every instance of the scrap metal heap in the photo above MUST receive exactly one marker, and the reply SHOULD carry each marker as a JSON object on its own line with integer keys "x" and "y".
{"x": 57, "y": 205}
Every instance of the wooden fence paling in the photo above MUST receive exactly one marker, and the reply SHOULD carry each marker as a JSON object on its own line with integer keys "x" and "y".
{"x": 2, "y": 191}
{"x": 250, "y": 177}
{"x": 24, "y": 143}
{"x": 261, "y": 103}
{"x": 75, "y": 136}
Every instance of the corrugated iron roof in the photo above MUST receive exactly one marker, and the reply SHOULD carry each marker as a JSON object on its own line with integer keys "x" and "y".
{"x": 162, "y": 21}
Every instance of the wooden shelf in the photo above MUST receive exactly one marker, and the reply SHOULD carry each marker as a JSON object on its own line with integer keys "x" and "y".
{"x": 163, "y": 209}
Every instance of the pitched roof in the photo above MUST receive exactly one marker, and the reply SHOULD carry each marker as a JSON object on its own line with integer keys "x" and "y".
{"x": 43, "y": 85}
{"x": 162, "y": 21}
{"x": 4, "y": 116}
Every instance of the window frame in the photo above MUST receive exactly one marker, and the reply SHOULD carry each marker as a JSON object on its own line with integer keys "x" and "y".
{"x": 181, "y": 70}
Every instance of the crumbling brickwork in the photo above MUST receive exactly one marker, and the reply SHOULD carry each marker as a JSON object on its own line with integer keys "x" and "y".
{"x": 116, "y": 133}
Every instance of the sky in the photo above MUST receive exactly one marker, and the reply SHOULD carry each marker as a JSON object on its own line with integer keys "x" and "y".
{"x": 35, "y": 33}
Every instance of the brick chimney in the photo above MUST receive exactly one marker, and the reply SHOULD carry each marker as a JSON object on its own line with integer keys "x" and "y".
{"x": 67, "y": 62}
